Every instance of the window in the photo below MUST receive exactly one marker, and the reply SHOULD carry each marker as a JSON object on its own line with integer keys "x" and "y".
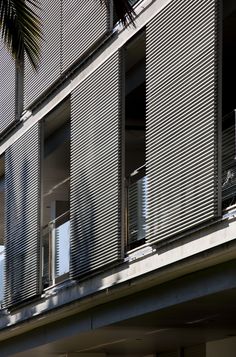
{"x": 135, "y": 142}
{"x": 56, "y": 193}
{"x": 229, "y": 106}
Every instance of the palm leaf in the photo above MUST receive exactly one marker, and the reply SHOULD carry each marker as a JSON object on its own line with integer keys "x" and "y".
{"x": 21, "y": 28}
{"x": 123, "y": 9}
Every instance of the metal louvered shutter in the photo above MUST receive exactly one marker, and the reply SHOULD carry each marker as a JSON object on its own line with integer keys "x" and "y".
{"x": 182, "y": 117}
{"x": 84, "y": 23}
{"x": 7, "y": 87}
{"x": 22, "y": 222}
{"x": 95, "y": 211}
{"x": 49, "y": 69}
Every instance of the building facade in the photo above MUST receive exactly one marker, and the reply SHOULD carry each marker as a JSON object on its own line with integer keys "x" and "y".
{"x": 118, "y": 186}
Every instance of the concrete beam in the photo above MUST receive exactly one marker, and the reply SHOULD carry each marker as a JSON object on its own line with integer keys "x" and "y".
{"x": 81, "y": 354}
{"x": 157, "y": 299}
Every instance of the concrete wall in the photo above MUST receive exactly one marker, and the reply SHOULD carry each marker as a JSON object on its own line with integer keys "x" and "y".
{"x": 221, "y": 348}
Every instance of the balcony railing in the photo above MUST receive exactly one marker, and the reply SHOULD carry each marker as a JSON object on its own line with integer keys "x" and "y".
{"x": 136, "y": 207}
{"x": 56, "y": 250}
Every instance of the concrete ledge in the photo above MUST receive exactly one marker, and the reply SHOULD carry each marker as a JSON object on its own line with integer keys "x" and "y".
{"x": 203, "y": 249}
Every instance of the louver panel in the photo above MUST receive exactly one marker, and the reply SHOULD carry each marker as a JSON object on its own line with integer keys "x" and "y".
{"x": 36, "y": 83}
{"x": 7, "y": 87}
{"x": 182, "y": 115}
{"x": 85, "y": 22}
{"x": 22, "y": 227}
{"x": 96, "y": 170}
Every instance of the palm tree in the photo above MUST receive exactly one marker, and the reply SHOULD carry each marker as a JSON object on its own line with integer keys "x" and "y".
{"x": 21, "y": 27}
{"x": 123, "y": 10}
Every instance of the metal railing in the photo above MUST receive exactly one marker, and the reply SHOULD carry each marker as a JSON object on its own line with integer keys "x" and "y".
{"x": 56, "y": 250}
{"x": 136, "y": 207}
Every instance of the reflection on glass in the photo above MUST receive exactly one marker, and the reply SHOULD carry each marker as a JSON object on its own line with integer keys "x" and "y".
{"x": 132, "y": 2}
{"x": 137, "y": 210}
{"x": 62, "y": 249}
{"x": 56, "y": 250}
{"x": 1, "y": 274}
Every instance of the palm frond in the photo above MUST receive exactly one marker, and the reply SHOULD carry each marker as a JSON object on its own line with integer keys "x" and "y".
{"x": 123, "y": 9}
{"x": 21, "y": 28}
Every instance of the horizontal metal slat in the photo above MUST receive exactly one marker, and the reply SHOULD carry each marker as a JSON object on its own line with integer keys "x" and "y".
{"x": 78, "y": 36}
{"x": 181, "y": 118}
{"x": 36, "y": 83}
{"x": 22, "y": 226}
{"x": 7, "y": 88}
{"x": 95, "y": 170}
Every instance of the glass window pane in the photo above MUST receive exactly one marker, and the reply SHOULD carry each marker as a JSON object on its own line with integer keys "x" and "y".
{"x": 62, "y": 243}
{"x": 1, "y": 273}
{"x": 137, "y": 210}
